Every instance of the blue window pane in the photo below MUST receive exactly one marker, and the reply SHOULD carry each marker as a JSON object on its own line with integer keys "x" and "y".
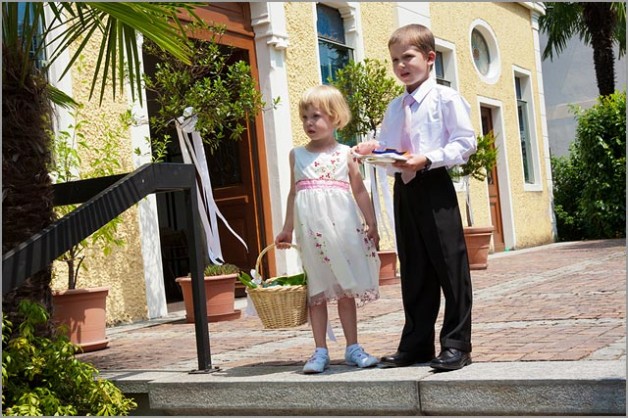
{"x": 333, "y": 57}
{"x": 438, "y": 65}
{"x": 36, "y": 55}
{"x": 518, "y": 87}
{"x": 329, "y": 23}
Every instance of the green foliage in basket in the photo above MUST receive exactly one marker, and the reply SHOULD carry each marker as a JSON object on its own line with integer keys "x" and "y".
{"x": 292, "y": 280}
{"x": 247, "y": 280}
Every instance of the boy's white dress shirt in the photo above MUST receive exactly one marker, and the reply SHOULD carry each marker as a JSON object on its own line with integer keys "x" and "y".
{"x": 441, "y": 127}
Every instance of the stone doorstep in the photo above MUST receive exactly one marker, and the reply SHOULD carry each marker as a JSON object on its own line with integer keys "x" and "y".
{"x": 512, "y": 388}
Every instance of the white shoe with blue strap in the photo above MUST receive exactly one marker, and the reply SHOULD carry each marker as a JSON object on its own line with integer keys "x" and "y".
{"x": 318, "y": 362}
{"x": 356, "y": 356}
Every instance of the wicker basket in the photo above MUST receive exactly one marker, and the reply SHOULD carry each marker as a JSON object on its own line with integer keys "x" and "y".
{"x": 279, "y": 306}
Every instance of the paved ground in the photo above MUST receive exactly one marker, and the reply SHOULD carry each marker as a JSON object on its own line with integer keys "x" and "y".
{"x": 560, "y": 302}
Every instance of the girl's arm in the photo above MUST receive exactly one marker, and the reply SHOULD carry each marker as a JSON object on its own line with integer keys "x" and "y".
{"x": 285, "y": 236}
{"x": 366, "y": 147}
{"x": 363, "y": 199}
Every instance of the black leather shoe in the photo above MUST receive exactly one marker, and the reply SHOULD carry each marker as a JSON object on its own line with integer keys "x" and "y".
{"x": 403, "y": 359}
{"x": 451, "y": 359}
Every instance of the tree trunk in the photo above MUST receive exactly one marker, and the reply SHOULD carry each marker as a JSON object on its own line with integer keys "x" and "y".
{"x": 600, "y": 21}
{"x": 27, "y": 188}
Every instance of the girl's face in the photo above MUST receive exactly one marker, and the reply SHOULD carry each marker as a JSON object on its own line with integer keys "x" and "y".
{"x": 410, "y": 65}
{"x": 317, "y": 124}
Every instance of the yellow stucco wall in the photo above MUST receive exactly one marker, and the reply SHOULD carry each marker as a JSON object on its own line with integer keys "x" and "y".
{"x": 378, "y": 22}
{"x": 122, "y": 271}
{"x": 301, "y": 60}
{"x": 512, "y": 27}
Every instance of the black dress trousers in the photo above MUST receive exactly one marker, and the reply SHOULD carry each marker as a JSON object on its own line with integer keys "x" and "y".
{"x": 433, "y": 256}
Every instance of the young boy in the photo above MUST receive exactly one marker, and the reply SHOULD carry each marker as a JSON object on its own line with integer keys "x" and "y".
{"x": 436, "y": 134}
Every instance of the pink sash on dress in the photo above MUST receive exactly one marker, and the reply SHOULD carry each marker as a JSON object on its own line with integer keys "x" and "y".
{"x": 321, "y": 184}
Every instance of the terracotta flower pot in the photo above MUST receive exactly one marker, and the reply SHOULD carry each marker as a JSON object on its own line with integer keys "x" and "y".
{"x": 84, "y": 313}
{"x": 478, "y": 240}
{"x": 388, "y": 268}
{"x": 219, "y": 297}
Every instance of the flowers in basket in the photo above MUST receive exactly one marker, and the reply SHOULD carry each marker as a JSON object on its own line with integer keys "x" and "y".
{"x": 254, "y": 280}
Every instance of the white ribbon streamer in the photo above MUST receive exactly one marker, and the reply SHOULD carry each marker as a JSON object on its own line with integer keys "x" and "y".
{"x": 379, "y": 179}
{"x": 208, "y": 210}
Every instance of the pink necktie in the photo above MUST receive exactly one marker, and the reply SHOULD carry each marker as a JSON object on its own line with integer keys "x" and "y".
{"x": 406, "y": 141}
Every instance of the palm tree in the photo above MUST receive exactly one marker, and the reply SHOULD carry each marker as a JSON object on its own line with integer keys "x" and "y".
{"x": 29, "y": 29}
{"x": 597, "y": 24}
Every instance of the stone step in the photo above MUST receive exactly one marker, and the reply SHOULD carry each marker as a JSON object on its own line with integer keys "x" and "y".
{"x": 500, "y": 388}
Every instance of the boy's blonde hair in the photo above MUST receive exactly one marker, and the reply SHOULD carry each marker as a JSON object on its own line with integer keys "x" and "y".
{"x": 415, "y": 35}
{"x": 329, "y": 100}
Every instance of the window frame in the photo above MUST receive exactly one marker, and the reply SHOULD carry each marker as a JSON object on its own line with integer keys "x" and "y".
{"x": 494, "y": 70}
{"x": 525, "y": 100}
{"x": 334, "y": 43}
{"x": 447, "y": 51}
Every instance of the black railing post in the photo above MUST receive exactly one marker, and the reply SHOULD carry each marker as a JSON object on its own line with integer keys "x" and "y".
{"x": 198, "y": 280}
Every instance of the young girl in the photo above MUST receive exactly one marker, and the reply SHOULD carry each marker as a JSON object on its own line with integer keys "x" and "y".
{"x": 338, "y": 248}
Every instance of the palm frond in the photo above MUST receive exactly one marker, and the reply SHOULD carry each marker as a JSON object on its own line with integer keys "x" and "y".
{"x": 119, "y": 23}
{"x": 60, "y": 98}
{"x": 620, "y": 26}
{"x": 560, "y": 22}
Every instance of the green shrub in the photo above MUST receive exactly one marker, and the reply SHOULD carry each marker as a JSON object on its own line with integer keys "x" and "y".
{"x": 368, "y": 88}
{"x": 568, "y": 183}
{"x": 590, "y": 186}
{"x": 41, "y": 376}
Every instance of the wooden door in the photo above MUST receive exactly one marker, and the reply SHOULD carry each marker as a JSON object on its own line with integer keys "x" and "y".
{"x": 493, "y": 187}
{"x": 237, "y": 168}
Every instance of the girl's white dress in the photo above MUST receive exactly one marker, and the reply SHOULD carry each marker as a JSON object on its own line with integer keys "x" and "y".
{"x": 337, "y": 256}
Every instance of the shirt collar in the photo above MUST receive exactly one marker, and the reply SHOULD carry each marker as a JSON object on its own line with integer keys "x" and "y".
{"x": 422, "y": 91}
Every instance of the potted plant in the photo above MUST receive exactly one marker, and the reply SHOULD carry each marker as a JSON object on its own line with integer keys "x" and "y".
{"x": 82, "y": 311}
{"x": 368, "y": 90}
{"x": 220, "y": 280}
{"x": 477, "y": 238}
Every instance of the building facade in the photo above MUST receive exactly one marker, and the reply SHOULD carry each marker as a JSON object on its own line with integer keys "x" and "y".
{"x": 488, "y": 51}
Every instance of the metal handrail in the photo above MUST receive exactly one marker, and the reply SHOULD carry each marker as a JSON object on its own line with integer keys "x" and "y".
{"x": 105, "y": 198}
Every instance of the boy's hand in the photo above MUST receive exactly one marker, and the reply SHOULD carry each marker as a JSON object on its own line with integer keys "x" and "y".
{"x": 415, "y": 162}
{"x": 366, "y": 147}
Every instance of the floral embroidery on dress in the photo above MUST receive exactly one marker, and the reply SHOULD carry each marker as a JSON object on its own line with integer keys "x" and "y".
{"x": 327, "y": 171}
{"x": 365, "y": 297}
{"x": 319, "y": 243}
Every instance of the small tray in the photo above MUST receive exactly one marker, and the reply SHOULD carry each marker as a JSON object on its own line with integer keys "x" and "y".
{"x": 387, "y": 156}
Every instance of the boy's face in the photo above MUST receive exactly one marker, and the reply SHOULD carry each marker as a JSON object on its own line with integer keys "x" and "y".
{"x": 411, "y": 67}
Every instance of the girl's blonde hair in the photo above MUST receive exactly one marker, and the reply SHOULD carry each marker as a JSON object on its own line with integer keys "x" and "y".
{"x": 330, "y": 101}
{"x": 416, "y": 35}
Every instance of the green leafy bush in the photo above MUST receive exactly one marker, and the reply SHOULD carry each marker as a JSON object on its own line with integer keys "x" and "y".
{"x": 590, "y": 185}
{"x": 568, "y": 182}
{"x": 218, "y": 85}
{"x": 69, "y": 145}
{"x": 368, "y": 89}
{"x": 41, "y": 376}
{"x": 479, "y": 164}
